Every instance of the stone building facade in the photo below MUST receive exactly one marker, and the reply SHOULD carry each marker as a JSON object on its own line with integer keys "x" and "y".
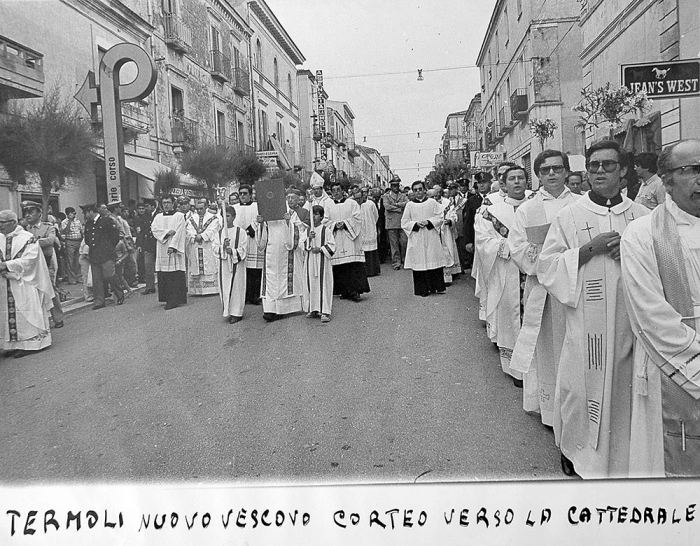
{"x": 527, "y": 73}
{"x": 647, "y": 31}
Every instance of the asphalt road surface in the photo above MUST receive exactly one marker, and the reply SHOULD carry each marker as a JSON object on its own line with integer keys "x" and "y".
{"x": 396, "y": 388}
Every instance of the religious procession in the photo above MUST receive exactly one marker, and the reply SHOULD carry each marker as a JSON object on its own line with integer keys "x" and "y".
{"x": 591, "y": 298}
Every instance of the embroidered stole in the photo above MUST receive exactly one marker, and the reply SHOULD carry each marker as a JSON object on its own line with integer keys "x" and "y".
{"x": 680, "y": 411}
{"x": 595, "y": 320}
{"x": 201, "y": 229}
{"x": 500, "y": 228}
{"x": 536, "y": 231}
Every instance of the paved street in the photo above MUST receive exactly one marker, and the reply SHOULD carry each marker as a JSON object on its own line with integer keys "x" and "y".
{"x": 396, "y": 388}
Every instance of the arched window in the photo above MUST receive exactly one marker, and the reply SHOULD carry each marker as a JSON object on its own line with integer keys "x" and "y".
{"x": 289, "y": 85}
{"x": 276, "y": 73}
{"x": 258, "y": 56}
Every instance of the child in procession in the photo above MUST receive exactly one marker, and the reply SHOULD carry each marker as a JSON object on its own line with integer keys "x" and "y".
{"x": 318, "y": 274}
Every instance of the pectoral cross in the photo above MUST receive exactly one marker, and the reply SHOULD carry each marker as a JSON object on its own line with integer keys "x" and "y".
{"x": 588, "y": 229}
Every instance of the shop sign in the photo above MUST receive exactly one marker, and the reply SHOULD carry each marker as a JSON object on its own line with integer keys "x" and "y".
{"x": 481, "y": 160}
{"x": 187, "y": 192}
{"x": 663, "y": 79}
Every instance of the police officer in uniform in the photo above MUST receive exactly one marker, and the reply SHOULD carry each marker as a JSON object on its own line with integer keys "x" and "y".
{"x": 47, "y": 236}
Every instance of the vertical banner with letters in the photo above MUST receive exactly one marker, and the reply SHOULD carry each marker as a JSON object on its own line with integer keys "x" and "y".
{"x": 321, "y": 112}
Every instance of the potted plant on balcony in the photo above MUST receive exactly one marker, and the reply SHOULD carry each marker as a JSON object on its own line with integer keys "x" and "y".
{"x": 543, "y": 129}
{"x": 610, "y": 105}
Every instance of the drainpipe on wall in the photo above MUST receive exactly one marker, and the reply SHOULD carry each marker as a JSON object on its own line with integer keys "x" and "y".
{"x": 155, "y": 91}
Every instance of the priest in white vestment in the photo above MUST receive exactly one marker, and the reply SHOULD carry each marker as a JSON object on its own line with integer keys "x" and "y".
{"x": 661, "y": 276}
{"x": 26, "y": 291}
{"x": 168, "y": 229}
{"x": 500, "y": 273}
{"x": 491, "y": 198}
{"x": 579, "y": 266}
{"x": 538, "y": 348}
{"x": 345, "y": 220}
{"x": 448, "y": 234}
{"x": 368, "y": 233}
{"x": 282, "y": 244}
{"x": 202, "y": 230}
{"x": 421, "y": 221}
{"x": 318, "y": 271}
{"x": 230, "y": 247}
{"x": 246, "y": 215}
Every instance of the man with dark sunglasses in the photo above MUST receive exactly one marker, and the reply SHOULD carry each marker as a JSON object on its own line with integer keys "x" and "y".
{"x": 579, "y": 266}
{"x": 661, "y": 277}
{"x": 538, "y": 348}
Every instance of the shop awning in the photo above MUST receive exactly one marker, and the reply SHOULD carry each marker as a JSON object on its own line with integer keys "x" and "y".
{"x": 140, "y": 165}
{"x": 282, "y": 156}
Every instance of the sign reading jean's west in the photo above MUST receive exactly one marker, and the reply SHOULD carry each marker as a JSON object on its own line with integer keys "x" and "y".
{"x": 663, "y": 79}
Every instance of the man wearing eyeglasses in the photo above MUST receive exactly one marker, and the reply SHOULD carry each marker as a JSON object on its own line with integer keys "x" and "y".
{"x": 538, "y": 348}
{"x": 579, "y": 265}
{"x": 661, "y": 277}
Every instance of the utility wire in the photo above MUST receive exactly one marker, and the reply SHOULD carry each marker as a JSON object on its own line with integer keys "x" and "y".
{"x": 373, "y": 74}
{"x": 402, "y": 134}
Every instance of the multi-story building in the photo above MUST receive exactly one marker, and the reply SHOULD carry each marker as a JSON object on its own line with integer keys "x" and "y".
{"x": 340, "y": 129}
{"x": 203, "y": 90}
{"x": 527, "y": 73}
{"x": 454, "y": 140}
{"x": 202, "y": 94}
{"x": 473, "y": 130}
{"x": 275, "y": 100}
{"x": 631, "y": 32}
{"x": 374, "y": 167}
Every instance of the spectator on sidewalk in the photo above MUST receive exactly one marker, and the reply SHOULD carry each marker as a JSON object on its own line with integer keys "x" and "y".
{"x": 72, "y": 233}
{"x": 101, "y": 238}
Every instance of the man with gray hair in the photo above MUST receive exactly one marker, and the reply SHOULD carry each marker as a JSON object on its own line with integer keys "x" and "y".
{"x": 25, "y": 289}
{"x": 661, "y": 277}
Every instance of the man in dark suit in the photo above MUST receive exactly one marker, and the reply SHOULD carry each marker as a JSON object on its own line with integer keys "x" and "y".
{"x": 146, "y": 244}
{"x": 482, "y": 187}
{"x": 102, "y": 237}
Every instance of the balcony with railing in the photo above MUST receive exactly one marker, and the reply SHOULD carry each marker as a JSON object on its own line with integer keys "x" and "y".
{"x": 135, "y": 117}
{"x": 178, "y": 35}
{"x": 241, "y": 81}
{"x": 518, "y": 104}
{"x": 505, "y": 122}
{"x": 21, "y": 70}
{"x": 220, "y": 68}
{"x": 185, "y": 133}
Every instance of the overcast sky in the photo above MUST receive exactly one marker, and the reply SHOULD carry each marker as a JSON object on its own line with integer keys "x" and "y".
{"x": 361, "y": 37}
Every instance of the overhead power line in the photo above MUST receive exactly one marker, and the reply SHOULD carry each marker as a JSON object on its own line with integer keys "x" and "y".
{"x": 404, "y": 134}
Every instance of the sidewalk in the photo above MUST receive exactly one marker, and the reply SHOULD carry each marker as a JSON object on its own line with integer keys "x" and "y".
{"x": 76, "y": 302}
